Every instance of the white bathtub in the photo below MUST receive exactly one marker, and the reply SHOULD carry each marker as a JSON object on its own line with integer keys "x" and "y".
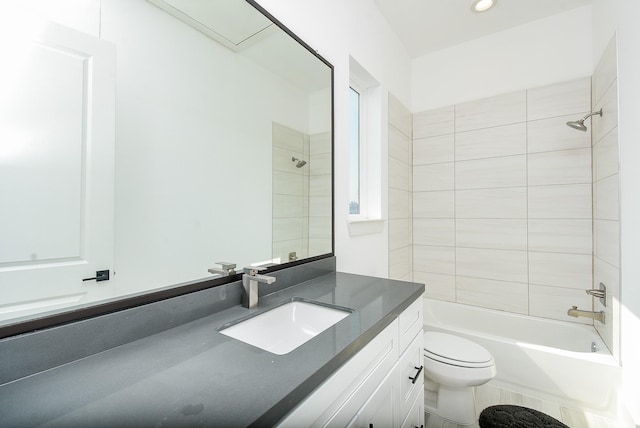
{"x": 545, "y": 358}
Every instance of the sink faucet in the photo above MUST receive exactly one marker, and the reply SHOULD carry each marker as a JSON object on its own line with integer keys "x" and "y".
{"x": 575, "y": 312}
{"x": 250, "y": 281}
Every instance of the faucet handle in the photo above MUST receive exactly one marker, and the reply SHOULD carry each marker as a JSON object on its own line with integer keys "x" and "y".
{"x": 252, "y": 270}
{"x": 227, "y": 266}
{"x": 228, "y": 269}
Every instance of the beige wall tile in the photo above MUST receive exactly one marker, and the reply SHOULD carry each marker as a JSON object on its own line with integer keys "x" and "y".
{"x": 433, "y": 122}
{"x": 488, "y": 293}
{"x": 285, "y": 183}
{"x": 560, "y": 270}
{"x": 433, "y": 177}
{"x": 606, "y": 72}
{"x": 501, "y": 234}
{"x": 319, "y": 164}
{"x": 560, "y": 236}
{"x": 320, "y": 185}
{"x": 399, "y": 174}
{"x": 495, "y": 111}
{"x": 400, "y": 262}
{"x": 553, "y": 302}
{"x": 320, "y": 205}
{"x": 319, "y": 226}
{"x": 437, "y": 286}
{"x": 399, "y": 204}
{"x": 399, "y": 233}
{"x": 560, "y": 201}
{"x": 286, "y": 229}
{"x": 503, "y": 265}
{"x": 602, "y": 125}
{"x": 605, "y": 199}
{"x": 433, "y": 232}
{"x": 607, "y": 241}
{"x": 509, "y": 171}
{"x": 560, "y": 167}
{"x": 491, "y": 142}
{"x": 433, "y": 204}
{"x": 434, "y": 259}
{"x": 559, "y": 99}
{"x": 399, "y": 146}
{"x": 319, "y": 246}
{"x": 605, "y": 156}
{"x": 288, "y": 206}
{"x": 546, "y": 135}
{"x": 287, "y": 138}
{"x": 320, "y": 143}
{"x": 399, "y": 116}
{"x": 431, "y": 150}
{"x": 492, "y": 203}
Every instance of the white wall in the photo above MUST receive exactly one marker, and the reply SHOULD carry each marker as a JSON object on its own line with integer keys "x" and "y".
{"x": 621, "y": 16}
{"x": 338, "y": 29}
{"x": 539, "y": 53}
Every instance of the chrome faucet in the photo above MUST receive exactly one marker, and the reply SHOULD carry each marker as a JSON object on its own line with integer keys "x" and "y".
{"x": 250, "y": 281}
{"x": 228, "y": 269}
{"x": 575, "y": 312}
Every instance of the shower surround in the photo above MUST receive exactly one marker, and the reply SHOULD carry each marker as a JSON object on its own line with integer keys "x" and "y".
{"x": 502, "y": 202}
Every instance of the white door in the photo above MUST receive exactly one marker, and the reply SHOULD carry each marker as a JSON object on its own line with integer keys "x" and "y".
{"x": 57, "y": 134}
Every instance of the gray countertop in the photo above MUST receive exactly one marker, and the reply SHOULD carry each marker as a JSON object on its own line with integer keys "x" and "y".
{"x": 192, "y": 375}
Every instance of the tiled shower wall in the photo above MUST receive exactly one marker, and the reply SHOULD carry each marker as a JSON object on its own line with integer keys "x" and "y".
{"x": 606, "y": 226}
{"x": 301, "y": 196}
{"x": 320, "y": 194}
{"x": 400, "y": 189}
{"x": 290, "y": 193}
{"x": 502, "y": 207}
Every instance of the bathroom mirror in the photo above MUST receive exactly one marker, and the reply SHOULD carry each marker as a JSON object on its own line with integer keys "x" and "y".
{"x": 146, "y": 140}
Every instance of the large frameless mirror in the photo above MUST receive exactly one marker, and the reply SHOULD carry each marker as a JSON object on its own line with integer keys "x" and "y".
{"x": 145, "y": 140}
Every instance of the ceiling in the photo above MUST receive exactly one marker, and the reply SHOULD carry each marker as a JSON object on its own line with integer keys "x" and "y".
{"x": 426, "y": 26}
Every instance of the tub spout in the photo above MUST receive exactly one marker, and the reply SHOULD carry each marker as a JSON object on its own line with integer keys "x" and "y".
{"x": 575, "y": 312}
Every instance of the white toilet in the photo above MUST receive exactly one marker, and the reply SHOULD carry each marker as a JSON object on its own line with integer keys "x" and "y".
{"x": 454, "y": 366}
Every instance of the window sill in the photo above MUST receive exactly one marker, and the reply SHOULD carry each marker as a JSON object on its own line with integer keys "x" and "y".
{"x": 365, "y": 226}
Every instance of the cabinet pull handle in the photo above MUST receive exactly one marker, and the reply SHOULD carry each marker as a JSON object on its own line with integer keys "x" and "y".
{"x": 415, "y": 378}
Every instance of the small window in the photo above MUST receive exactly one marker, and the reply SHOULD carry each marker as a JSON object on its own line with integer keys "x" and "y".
{"x": 354, "y": 151}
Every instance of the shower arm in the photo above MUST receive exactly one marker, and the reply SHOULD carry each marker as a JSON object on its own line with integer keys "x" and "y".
{"x": 599, "y": 113}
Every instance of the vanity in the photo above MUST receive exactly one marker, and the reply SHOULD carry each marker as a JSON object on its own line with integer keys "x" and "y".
{"x": 191, "y": 374}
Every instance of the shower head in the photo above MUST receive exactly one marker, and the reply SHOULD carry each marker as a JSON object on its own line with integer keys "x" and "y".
{"x": 299, "y": 163}
{"x": 579, "y": 124}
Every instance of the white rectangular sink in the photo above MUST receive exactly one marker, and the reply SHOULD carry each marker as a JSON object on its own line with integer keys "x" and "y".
{"x": 285, "y": 327}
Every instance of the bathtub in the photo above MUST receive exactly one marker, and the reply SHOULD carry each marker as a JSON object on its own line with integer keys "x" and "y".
{"x": 548, "y": 359}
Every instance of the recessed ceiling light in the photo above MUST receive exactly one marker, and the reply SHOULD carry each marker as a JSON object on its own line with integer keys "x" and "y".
{"x": 482, "y": 5}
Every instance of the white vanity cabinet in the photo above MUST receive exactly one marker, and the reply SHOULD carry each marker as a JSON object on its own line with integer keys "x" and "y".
{"x": 375, "y": 387}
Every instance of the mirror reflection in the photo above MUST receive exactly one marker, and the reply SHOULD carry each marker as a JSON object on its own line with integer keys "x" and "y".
{"x": 152, "y": 139}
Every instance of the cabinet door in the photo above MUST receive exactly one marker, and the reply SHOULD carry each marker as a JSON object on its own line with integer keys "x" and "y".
{"x": 415, "y": 416}
{"x": 382, "y": 410}
{"x": 412, "y": 372}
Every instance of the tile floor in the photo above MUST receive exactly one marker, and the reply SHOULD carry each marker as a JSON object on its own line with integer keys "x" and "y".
{"x": 489, "y": 395}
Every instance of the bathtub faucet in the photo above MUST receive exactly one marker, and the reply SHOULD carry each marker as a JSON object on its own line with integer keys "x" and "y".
{"x": 575, "y": 312}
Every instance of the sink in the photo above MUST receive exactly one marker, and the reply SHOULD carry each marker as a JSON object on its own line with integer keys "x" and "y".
{"x": 287, "y": 326}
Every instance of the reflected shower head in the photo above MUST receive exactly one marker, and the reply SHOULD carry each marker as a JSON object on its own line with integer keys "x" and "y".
{"x": 579, "y": 124}
{"x": 299, "y": 163}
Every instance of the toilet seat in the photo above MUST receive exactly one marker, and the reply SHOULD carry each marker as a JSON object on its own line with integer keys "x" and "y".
{"x": 455, "y": 351}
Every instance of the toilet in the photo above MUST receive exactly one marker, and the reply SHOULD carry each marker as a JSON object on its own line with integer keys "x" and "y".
{"x": 454, "y": 366}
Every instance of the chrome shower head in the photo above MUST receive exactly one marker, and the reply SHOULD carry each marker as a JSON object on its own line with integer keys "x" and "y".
{"x": 299, "y": 163}
{"x": 579, "y": 124}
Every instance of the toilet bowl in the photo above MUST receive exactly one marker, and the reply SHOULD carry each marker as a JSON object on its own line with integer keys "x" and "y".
{"x": 454, "y": 366}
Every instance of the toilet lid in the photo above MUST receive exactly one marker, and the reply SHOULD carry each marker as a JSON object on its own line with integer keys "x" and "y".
{"x": 455, "y": 350}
